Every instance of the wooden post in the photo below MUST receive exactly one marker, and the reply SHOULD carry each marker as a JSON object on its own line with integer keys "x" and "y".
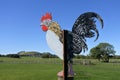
{"x": 65, "y": 55}
{"x": 65, "y": 60}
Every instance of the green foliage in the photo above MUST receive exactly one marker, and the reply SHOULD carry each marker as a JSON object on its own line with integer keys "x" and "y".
{"x": 102, "y": 51}
{"x": 36, "y": 54}
{"x": 13, "y": 55}
{"x": 116, "y": 57}
{"x": 30, "y": 53}
{"x": 48, "y": 55}
{"x": 2, "y": 55}
{"x": 80, "y": 56}
{"x": 95, "y": 53}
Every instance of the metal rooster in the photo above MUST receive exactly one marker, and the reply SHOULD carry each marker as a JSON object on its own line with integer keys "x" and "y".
{"x": 84, "y": 27}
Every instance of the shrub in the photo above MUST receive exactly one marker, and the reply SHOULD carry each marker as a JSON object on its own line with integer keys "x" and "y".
{"x": 13, "y": 55}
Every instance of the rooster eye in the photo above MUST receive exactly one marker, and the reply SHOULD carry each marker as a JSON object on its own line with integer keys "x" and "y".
{"x": 47, "y": 22}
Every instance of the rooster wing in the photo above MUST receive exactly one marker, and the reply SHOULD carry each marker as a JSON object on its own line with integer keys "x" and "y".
{"x": 84, "y": 27}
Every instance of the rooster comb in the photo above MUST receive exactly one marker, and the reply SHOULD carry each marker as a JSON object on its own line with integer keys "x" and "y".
{"x": 46, "y": 16}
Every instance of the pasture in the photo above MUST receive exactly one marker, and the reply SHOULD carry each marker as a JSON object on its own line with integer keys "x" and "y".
{"x": 35, "y": 68}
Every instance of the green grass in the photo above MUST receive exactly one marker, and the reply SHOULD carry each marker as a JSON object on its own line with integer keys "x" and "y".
{"x": 28, "y": 71}
{"x": 28, "y": 68}
{"x": 101, "y": 71}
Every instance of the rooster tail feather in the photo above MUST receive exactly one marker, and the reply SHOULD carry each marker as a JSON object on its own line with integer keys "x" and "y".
{"x": 85, "y": 25}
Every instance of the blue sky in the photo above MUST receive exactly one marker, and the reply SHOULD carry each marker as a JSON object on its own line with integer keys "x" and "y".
{"x": 20, "y": 19}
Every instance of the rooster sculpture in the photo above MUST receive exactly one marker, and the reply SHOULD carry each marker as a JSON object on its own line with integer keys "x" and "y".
{"x": 84, "y": 27}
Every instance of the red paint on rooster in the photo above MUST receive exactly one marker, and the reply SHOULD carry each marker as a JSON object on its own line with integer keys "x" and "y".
{"x": 44, "y": 28}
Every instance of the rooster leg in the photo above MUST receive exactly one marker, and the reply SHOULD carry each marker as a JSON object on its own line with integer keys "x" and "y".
{"x": 70, "y": 70}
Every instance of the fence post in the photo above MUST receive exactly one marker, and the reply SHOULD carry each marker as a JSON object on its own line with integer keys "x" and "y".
{"x": 64, "y": 75}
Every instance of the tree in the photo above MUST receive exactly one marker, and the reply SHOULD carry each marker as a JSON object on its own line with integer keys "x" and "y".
{"x": 103, "y": 51}
{"x": 13, "y": 55}
{"x": 48, "y": 55}
{"x": 95, "y": 53}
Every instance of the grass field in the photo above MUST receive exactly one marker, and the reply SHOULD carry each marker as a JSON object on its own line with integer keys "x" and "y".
{"x": 47, "y": 69}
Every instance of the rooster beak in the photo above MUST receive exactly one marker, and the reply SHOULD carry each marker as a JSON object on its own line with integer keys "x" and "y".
{"x": 41, "y": 24}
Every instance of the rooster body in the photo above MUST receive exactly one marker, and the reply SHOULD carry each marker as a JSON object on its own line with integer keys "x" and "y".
{"x": 54, "y": 43}
{"x": 84, "y": 27}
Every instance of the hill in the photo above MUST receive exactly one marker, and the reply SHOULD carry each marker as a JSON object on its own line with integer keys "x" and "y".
{"x": 29, "y": 53}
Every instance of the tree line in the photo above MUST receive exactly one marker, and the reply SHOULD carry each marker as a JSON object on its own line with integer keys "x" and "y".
{"x": 30, "y": 54}
{"x": 103, "y": 52}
